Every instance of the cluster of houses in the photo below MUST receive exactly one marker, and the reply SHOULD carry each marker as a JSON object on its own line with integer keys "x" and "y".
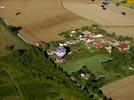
{"x": 90, "y": 39}
{"x": 98, "y": 40}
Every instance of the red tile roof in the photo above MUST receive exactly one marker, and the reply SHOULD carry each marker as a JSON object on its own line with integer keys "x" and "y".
{"x": 123, "y": 46}
{"x": 110, "y": 39}
{"x": 99, "y": 44}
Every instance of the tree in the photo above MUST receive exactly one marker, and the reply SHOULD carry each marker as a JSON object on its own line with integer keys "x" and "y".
{"x": 115, "y": 52}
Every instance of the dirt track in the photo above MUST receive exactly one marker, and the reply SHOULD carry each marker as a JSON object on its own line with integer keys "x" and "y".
{"x": 121, "y": 90}
{"x": 110, "y": 17}
{"x": 40, "y": 19}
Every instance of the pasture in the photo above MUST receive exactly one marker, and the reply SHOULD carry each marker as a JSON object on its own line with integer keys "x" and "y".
{"x": 93, "y": 63}
{"x": 109, "y": 19}
{"x": 41, "y": 20}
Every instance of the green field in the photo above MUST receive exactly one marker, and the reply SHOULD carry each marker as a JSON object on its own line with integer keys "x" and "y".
{"x": 93, "y": 63}
{"x": 31, "y": 76}
{"x": 27, "y": 74}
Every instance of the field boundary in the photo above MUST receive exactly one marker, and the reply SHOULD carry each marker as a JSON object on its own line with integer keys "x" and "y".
{"x": 62, "y": 5}
{"x": 18, "y": 34}
{"x": 23, "y": 38}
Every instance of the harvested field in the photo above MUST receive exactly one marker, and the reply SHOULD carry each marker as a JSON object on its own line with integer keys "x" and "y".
{"x": 123, "y": 31}
{"x": 83, "y": 1}
{"x": 41, "y": 20}
{"x": 120, "y": 90}
{"x": 110, "y": 19}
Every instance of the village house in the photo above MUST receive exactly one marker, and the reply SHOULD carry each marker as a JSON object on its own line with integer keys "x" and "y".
{"x": 84, "y": 37}
{"x": 124, "y": 47}
{"x": 109, "y": 40}
{"x": 72, "y": 33}
{"x": 40, "y": 43}
{"x": 86, "y": 75}
{"x": 99, "y": 44}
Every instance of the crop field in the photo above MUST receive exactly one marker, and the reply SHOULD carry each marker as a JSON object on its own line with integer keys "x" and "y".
{"x": 110, "y": 19}
{"x": 82, "y": 1}
{"x": 7, "y": 39}
{"x": 119, "y": 90}
{"x": 92, "y": 63}
{"x": 41, "y": 20}
{"x": 128, "y": 1}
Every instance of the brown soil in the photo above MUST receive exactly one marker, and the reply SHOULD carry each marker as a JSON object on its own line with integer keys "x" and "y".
{"x": 120, "y": 90}
{"x": 40, "y": 19}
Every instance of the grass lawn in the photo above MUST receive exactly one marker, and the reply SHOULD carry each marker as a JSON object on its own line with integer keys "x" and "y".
{"x": 93, "y": 63}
